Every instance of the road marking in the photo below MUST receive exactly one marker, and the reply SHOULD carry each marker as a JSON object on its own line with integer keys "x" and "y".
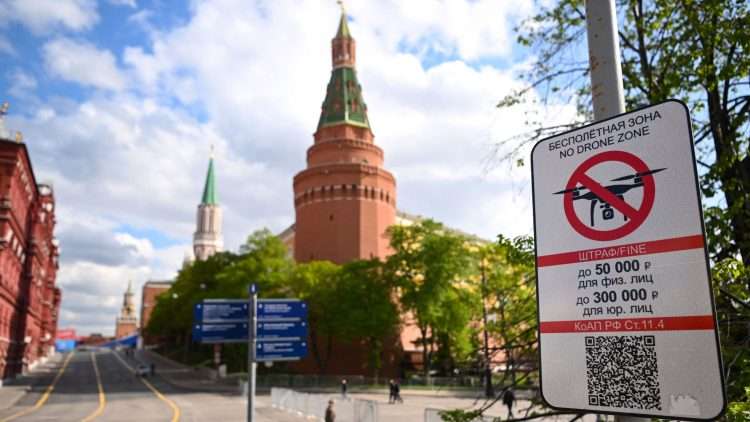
{"x": 102, "y": 397}
{"x": 175, "y": 409}
{"x": 46, "y": 394}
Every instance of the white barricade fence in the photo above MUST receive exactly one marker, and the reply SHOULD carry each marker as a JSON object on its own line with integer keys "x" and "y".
{"x": 314, "y": 405}
{"x": 433, "y": 415}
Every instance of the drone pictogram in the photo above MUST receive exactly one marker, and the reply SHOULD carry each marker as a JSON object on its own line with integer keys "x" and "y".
{"x": 618, "y": 190}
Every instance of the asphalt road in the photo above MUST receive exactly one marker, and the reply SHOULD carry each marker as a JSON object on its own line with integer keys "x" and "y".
{"x": 101, "y": 385}
{"x": 91, "y": 385}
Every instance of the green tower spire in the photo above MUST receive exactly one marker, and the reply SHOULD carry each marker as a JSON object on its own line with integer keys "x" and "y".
{"x": 343, "y": 31}
{"x": 209, "y": 190}
{"x": 343, "y": 103}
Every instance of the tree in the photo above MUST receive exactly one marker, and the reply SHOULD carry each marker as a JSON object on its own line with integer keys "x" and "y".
{"x": 693, "y": 50}
{"x": 429, "y": 267}
{"x": 264, "y": 260}
{"x": 316, "y": 283}
{"x": 365, "y": 308}
{"x": 507, "y": 267}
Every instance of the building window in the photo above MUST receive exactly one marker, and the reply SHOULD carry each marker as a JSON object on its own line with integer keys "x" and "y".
{"x": 330, "y": 217}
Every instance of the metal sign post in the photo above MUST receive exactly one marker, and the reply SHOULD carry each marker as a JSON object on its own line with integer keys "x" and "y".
{"x": 251, "y": 347}
{"x": 281, "y": 335}
{"x": 604, "y": 59}
{"x": 606, "y": 73}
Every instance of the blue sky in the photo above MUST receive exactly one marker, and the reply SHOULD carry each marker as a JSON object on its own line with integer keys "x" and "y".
{"x": 120, "y": 101}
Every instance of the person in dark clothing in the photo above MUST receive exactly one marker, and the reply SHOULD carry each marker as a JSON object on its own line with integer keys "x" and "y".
{"x": 343, "y": 388}
{"x": 391, "y": 392}
{"x": 397, "y": 393}
{"x": 508, "y": 399}
{"x": 330, "y": 414}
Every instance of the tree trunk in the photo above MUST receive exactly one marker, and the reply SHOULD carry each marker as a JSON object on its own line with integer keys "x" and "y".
{"x": 425, "y": 357}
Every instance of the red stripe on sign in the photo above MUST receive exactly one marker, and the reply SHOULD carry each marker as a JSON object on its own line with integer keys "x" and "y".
{"x": 621, "y": 251}
{"x": 681, "y": 323}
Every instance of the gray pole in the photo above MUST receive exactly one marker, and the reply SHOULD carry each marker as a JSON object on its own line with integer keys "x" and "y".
{"x": 251, "y": 349}
{"x": 606, "y": 74}
{"x": 604, "y": 59}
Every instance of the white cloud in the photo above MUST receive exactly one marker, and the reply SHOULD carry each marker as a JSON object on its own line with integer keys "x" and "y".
{"x": 6, "y": 47}
{"x": 21, "y": 84}
{"x": 129, "y": 3}
{"x": 44, "y": 16}
{"x": 467, "y": 29}
{"x": 140, "y": 247}
{"x": 83, "y": 63}
{"x": 137, "y": 156}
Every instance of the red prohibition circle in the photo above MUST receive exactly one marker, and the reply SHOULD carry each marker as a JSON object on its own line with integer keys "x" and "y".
{"x": 636, "y": 217}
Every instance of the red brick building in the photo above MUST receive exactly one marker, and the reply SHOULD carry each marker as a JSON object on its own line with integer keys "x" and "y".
{"x": 150, "y": 293}
{"x": 29, "y": 300}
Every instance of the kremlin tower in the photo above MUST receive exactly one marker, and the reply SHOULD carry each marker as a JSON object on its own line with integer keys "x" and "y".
{"x": 207, "y": 239}
{"x": 344, "y": 200}
{"x": 127, "y": 323}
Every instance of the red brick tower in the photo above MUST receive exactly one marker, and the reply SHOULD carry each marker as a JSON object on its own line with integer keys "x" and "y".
{"x": 344, "y": 200}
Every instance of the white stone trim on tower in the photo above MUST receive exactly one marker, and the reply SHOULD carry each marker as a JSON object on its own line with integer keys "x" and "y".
{"x": 208, "y": 238}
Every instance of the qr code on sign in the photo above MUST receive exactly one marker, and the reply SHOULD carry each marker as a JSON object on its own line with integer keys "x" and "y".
{"x": 621, "y": 371}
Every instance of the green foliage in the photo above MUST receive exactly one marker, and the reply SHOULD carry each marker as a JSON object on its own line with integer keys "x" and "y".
{"x": 733, "y": 313}
{"x": 430, "y": 267}
{"x": 739, "y": 411}
{"x": 436, "y": 277}
{"x": 365, "y": 308}
{"x": 459, "y": 415}
{"x": 507, "y": 268}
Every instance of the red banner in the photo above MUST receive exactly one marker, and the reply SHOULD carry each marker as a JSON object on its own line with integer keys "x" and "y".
{"x": 621, "y": 251}
{"x": 680, "y": 323}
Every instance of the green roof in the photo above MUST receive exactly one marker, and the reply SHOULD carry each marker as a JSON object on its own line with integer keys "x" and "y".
{"x": 344, "y": 102}
{"x": 343, "y": 31}
{"x": 209, "y": 190}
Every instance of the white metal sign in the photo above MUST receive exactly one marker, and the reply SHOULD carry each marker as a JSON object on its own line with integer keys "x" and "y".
{"x": 626, "y": 318}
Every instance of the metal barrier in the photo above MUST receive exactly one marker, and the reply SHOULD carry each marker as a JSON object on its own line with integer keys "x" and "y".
{"x": 314, "y": 405}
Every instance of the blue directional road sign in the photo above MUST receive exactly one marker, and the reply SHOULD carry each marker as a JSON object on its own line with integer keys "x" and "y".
{"x": 280, "y": 350}
{"x": 230, "y": 332}
{"x": 282, "y": 330}
{"x": 281, "y": 309}
{"x": 221, "y": 311}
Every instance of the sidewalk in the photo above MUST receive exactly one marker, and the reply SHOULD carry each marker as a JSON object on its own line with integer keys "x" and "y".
{"x": 13, "y": 390}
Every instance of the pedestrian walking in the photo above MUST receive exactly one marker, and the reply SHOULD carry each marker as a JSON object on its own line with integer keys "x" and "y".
{"x": 508, "y": 399}
{"x": 397, "y": 393}
{"x": 391, "y": 392}
{"x": 330, "y": 414}
{"x": 343, "y": 388}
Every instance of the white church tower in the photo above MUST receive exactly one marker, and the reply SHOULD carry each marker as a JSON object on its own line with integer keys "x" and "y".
{"x": 207, "y": 239}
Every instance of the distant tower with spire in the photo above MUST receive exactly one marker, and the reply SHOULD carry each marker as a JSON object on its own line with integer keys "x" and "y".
{"x": 207, "y": 239}
{"x": 344, "y": 200}
{"x": 127, "y": 322}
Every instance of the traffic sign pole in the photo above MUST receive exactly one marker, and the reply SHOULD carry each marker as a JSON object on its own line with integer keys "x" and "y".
{"x": 251, "y": 348}
{"x": 606, "y": 74}
{"x": 604, "y": 59}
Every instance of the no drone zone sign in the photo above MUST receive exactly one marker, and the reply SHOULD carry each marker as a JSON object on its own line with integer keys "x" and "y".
{"x": 626, "y": 316}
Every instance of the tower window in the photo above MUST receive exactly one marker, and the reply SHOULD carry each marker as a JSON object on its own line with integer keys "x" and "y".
{"x": 330, "y": 217}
